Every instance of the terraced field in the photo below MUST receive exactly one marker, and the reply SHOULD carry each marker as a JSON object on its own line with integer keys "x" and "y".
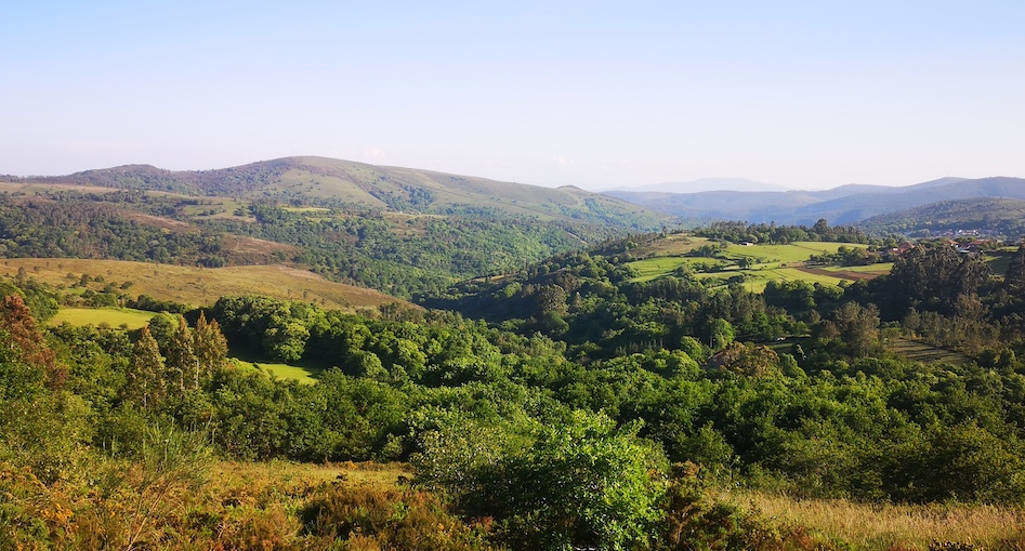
{"x": 922, "y": 352}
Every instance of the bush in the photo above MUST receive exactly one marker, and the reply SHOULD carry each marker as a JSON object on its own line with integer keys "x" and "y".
{"x": 581, "y": 483}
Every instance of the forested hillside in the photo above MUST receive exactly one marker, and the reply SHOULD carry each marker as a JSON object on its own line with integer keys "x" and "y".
{"x": 1003, "y": 218}
{"x": 333, "y": 182}
{"x": 399, "y": 252}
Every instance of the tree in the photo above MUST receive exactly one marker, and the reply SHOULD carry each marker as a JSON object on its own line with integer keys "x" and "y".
{"x": 821, "y": 227}
{"x": 751, "y": 361}
{"x": 1014, "y": 280}
{"x": 285, "y": 339}
{"x": 720, "y": 333}
{"x": 17, "y": 321}
{"x": 550, "y": 298}
{"x": 145, "y": 383}
{"x": 857, "y": 328}
{"x": 930, "y": 278}
{"x": 182, "y": 363}
{"x": 210, "y": 346}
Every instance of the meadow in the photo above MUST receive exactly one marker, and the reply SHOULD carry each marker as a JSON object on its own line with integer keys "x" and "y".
{"x": 755, "y": 279}
{"x": 113, "y": 317}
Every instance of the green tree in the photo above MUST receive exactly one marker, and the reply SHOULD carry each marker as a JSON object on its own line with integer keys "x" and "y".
{"x": 210, "y": 346}
{"x": 144, "y": 376}
{"x": 1014, "y": 279}
{"x": 857, "y": 328}
{"x": 720, "y": 333}
{"x": 182, "y": 363}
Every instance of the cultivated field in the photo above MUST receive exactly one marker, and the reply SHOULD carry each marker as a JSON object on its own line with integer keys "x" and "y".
{"x": 197, "y": 286}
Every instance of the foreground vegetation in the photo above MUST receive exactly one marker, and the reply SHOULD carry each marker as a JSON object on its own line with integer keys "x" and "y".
{"x": 569, "y": 405}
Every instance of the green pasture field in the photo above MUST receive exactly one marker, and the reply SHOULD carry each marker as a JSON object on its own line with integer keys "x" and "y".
{"x": 798, "y": 251}
{"x": 283, "y": 371}
{"x": 757, "y": 279}
{"x": 114, "y": 317}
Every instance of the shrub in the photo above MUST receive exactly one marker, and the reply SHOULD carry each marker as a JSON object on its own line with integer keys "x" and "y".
{"x": 581, "y": 483}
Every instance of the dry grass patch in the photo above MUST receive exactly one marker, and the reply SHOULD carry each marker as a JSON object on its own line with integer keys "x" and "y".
{"x": 883, "y": 526}
{"x": 202, "y": 286}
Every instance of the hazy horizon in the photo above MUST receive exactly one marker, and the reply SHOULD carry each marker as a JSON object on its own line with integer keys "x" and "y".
{"x": 593, "y": 95}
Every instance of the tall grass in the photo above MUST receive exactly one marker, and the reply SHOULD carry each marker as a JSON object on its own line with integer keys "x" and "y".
{"x": 889, "y": 526}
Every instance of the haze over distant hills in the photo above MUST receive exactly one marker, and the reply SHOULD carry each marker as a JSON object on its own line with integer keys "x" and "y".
{"x": 841, "y": 205}
{"x": 705, "y": 184}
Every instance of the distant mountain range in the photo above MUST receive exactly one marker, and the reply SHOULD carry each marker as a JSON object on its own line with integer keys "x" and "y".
{"x": 335, "y": 181}
{"x": 706, "y": 184}
{"x": 847, "y": 204}
{"x": 587, "y": 215}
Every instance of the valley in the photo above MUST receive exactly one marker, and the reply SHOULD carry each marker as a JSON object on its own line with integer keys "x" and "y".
{"x": 308, "y": 353}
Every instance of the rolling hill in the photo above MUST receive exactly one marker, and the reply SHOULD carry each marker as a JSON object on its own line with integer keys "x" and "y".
{"x": 398, "y": 230}
{"x": 842, "y": 205}
{"x": 987, "y": 216}
{"x": 321, "y": 180}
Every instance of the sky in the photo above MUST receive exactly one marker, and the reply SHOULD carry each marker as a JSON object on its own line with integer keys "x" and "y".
{"x": 598, "y": 95}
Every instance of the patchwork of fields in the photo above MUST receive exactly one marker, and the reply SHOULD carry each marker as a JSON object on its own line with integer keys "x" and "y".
{"x": 766, "y": 263}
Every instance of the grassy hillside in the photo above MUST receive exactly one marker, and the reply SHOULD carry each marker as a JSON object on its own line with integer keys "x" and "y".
{"x": 114, "y": 317}
{"x": 321, "y": 179}
{"x": 200, "y": 286}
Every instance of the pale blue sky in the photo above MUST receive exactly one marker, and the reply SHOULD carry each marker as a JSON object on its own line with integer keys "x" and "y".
{"x": 802, "y": 94}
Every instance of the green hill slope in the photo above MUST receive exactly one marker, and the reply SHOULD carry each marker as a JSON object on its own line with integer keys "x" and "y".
{"x": 323, "y": 180}
{"x": 997, "y": 217}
